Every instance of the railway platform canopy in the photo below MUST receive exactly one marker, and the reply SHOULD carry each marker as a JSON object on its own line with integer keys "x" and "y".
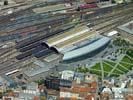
{"x": 51, "y": 8}
{"x": 68, "y": 40}
{"x": 73, "y": 42}
{"x": 67, "y": 35}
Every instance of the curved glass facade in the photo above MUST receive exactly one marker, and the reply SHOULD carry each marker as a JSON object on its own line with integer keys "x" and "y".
{"x": 87, "y": 51}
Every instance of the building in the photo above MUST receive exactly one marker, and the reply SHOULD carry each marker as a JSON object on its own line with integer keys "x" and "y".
{"x": 56, "y": 82}
{"x": 9, "y": 82}
{"x": 82, "y": 90}
{"x": 73, "y": 42}
{"x": 90, "y": 49}
{"x": 52, "y": 83}
{"x": 7, "y": 98}
{"x": 79, "y": 30}
{"x": 67, "y": 74}
{"x": 39, "y": 69}
{"x": 72, "y": 85}
{"x": 129, "y": 97}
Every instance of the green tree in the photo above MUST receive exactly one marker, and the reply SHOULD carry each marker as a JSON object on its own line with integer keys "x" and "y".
{"x": 1, "y": 94}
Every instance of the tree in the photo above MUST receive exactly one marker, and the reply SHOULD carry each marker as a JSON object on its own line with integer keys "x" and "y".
{"x": 42, "y": 98}
{"x": 82, "y": 69}
{"x": 6, "y": 2}
{"x": 40, "y": 82}
{"x": 1, "y": 94}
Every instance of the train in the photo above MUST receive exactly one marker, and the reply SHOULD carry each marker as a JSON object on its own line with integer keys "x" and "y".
{"x": 26, "y": 48}
{"x": 12, "y": 72}
{"x": 34, "y": 39}
{"x": 30, "y": 50}
{"x": 37, "y": 51}
{"x": 24, "y": 55}
{"x": 43, "y": 53}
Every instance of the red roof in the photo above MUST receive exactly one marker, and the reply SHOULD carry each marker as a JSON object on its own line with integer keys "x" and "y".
{"x": 83, "y": 89}
{"x": 36, "y": 98}
{"x": 130, "y": 97}
{"x": 90, "y": 96}
{"x": 94, "y": 84}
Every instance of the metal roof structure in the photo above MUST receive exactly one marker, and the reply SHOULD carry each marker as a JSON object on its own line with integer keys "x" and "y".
{"x": 76, "y": 39}
{"x": 67, "y": 35}
{"x": 86, "y": 49}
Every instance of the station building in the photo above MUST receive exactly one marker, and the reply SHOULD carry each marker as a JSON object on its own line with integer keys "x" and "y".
{"x": 78, "y": 42}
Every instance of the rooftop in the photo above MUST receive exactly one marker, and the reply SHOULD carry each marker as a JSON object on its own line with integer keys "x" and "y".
{"x": 67, "y": 35}
{"x": 74, "y": 40}
{"x": 87, "y": 49}
{"x": 128, "y": 27}
{"x": 40, "y": 68}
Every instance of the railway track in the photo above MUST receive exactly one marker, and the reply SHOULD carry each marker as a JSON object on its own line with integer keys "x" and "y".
{"x": 107, "y": 24}
{"x": 108, "y": 17}
{"x": 115, "y": 25}
{"x": 7, "y": 18}
{"x": 40, "y": 28}
{"x": 115, "y": 21}
{"x": 11, "y": 56}
{"x": 42, "y": 37}
{"x": 10, "y": 64}
{"x": 15, "y": 65}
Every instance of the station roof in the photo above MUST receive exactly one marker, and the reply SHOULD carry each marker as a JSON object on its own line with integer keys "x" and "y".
{"x": 74, "y": 40}
{"x": 67, "y": 35}
{"x": 86, "y": 49}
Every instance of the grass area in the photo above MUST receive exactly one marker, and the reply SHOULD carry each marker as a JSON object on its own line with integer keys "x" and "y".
{"x": 106, "y": 68}
{"x": 114, "y": 75}
{"x": 109, "y": 68}
{"x": 82, "y": 69}
{"x": 105, "y": 74}
{"x": 97, "y": 72}
{"x": 97, "y": 66}
{"x": 110, "y": 62}
{"x": 127, "y": 59}
{"x": 117, "y": 71}
{"x": 96, "y": 69}
{"x": 128, "y": 66}
{"x": 122, "y": 68}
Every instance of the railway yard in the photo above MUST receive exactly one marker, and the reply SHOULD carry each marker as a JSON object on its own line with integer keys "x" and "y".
{"x": 39, "y": 27}
{"x": 41, "y": 37}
